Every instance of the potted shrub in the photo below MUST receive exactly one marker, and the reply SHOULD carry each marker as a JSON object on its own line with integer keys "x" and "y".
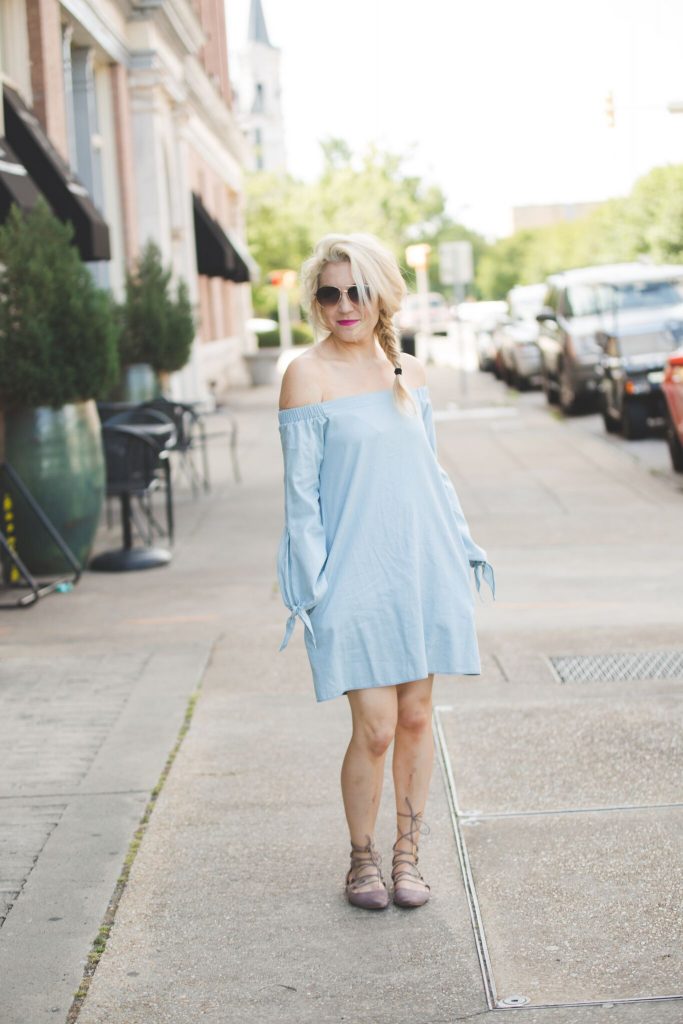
{"x": 157, "y": 327}
{"x": 58, "y": 352}
{"x": 263, "y": 363}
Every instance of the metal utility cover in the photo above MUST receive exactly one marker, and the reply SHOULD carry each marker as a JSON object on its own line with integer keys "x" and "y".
{"x": 624, "y": 666}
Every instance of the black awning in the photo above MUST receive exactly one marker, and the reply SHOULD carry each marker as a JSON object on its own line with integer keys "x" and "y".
{"x": 210, "y": 241}
{"x": 50, "y": 172}
{"x": 217, "y": 255}
{"x": 15, "y": 184}
{"x": 240, "y": 267}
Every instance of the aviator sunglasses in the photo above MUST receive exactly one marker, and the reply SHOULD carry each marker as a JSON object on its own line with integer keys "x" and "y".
{"x": 329, "y": 296}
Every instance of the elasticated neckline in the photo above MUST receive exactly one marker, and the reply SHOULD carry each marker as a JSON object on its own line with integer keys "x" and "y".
{"x": 316, "y": 410}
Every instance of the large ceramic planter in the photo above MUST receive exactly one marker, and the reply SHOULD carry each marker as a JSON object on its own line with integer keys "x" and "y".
{"x": 262, "y": 365}
{"x": 58, "y": 455}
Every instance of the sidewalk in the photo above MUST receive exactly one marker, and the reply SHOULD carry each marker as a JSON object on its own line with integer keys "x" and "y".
{"x": 568, "y": 795}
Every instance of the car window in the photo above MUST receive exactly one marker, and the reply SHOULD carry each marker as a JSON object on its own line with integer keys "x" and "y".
{"x": 582, "y": 300}
{"x": 641, "y": 295}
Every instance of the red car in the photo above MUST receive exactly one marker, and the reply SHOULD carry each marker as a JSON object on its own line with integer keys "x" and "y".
{"x": 672, "y": 386}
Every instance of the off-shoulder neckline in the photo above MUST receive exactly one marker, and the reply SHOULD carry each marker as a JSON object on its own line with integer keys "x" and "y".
{"x": 349, "y": 398}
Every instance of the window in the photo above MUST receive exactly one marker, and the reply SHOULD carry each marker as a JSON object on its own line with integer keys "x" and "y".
{"x": 581, "y": 300}
{"x": 14, "y": 52}
{"x": 257, "y": 105}
{"x": 642, "y": 295}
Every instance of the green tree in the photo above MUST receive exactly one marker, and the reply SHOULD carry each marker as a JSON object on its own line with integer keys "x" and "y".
{"x": 648, "y": 222}
{"x": 655, "y": 211}
{"x": 58, "y": 330}
{"x": 502, "y": 265}
{"x": 371, "y": 191}
{"x": 158, "y": 327}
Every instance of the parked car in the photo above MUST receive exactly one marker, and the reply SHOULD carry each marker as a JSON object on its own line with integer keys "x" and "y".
{"x": 632, "y": 374}
{"x": 518, "y": 356}
{"x": 672, "y": 386}
{"x": 483, "y": 318}
{"x": 412, "y": 314}
{"x": 583, "y": 306}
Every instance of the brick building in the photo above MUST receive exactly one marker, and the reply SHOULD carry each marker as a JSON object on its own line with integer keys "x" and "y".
{"x": 119, "y": 113}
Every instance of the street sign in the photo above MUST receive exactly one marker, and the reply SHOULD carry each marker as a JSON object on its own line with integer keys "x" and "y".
{"x": 456, "y": 265}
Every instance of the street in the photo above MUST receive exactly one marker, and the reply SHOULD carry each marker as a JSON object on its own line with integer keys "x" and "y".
{"x": 556, "y": 809}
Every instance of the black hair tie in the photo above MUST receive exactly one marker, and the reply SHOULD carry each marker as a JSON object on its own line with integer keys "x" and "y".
{"x": 398, "y": 370}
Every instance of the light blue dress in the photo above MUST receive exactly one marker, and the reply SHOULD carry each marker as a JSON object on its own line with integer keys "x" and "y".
{"x": 375, "y": 554}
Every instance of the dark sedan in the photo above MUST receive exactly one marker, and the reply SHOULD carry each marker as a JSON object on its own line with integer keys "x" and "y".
{"x": 632, "y": 374}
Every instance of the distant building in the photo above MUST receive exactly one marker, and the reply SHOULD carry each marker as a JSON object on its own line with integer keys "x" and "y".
{"x": 543, "y": 216}
{"x": 119, "y": 113}
{"x": 258, "y": 95}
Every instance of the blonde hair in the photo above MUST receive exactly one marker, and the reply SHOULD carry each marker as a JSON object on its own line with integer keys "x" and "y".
{"x": 373, "y": 265}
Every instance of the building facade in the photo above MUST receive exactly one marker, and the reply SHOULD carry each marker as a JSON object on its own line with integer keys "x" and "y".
{"x": 119, "y": 113}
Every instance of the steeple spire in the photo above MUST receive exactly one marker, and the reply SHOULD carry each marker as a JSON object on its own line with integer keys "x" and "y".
{"x": 258, "y": 33}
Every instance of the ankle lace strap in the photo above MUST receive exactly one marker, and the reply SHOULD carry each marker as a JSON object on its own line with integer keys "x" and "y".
{"x": 404, "y": 859}
{"x": 368, "y": 869}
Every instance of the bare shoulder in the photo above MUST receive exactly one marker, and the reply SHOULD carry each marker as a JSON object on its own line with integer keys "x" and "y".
{"x": 413, "y": 370}
{"x": 302, "y": 381}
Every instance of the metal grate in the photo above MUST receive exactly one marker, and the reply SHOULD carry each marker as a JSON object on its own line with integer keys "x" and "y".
{"x": 599, "y": 668}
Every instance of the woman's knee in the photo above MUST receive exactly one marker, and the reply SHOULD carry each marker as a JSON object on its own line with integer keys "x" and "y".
{"x": 374, "y": 720}
{"x": 415, "y": 710}
{"x": 377, "y": 735}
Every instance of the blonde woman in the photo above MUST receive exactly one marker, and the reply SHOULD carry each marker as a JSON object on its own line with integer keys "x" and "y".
{"x": 375, "y": 554}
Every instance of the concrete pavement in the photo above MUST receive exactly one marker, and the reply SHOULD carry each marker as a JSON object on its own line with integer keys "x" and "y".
{"x": 556, "y": 811}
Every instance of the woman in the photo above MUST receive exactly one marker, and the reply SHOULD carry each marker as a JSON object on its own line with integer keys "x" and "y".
{"x": 375, "y": 554}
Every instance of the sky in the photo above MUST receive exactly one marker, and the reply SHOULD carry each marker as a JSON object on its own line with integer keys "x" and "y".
{"x": 500, "y": 103}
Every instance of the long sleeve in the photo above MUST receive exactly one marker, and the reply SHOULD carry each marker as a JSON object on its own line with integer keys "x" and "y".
{"x": 475, "y": 554}
{"x": 302, "y": 552}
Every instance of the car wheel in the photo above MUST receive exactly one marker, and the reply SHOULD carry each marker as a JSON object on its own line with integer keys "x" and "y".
{"x": 549, "y": 390}
{"x": 674, "y": 443}
{"x": 612, "y": 423}
{"x": 567, "y": 399}
{"x": 634, "y": 421}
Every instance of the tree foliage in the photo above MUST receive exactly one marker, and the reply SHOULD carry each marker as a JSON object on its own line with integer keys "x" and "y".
{"x": 158, "y": 327}
{"x": 58, "y": 330}
{"x": 648, "y": 223}
{"x": 371, "y": 191}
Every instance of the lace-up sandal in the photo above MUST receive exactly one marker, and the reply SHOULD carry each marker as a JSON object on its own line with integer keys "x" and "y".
{"x": 365, "y": 868}
{"x": 404, "y": 864}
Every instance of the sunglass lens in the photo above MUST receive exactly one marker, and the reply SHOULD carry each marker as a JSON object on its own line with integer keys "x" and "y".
{"x": 328, "y": 296}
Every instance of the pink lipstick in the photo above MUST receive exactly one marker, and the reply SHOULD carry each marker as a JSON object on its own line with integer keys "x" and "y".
{"x": 346, "y": 323}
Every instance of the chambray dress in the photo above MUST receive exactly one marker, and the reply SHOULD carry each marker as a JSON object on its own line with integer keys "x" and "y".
{"x": 375, "y": 554}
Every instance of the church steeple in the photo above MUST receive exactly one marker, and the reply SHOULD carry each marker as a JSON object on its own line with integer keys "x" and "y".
{"x": 259, "y": 100}
{"x": 258, "y": 33}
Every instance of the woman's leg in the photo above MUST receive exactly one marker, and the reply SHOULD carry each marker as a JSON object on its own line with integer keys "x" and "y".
{"x": 412, "y": 764}
{"x": 374, "y": 713}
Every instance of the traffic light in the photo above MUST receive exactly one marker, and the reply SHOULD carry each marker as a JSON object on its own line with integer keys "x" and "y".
{"x": 609, "y": 109}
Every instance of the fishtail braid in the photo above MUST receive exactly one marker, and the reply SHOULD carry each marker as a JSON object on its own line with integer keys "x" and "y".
{"x": 389, "y": 340}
